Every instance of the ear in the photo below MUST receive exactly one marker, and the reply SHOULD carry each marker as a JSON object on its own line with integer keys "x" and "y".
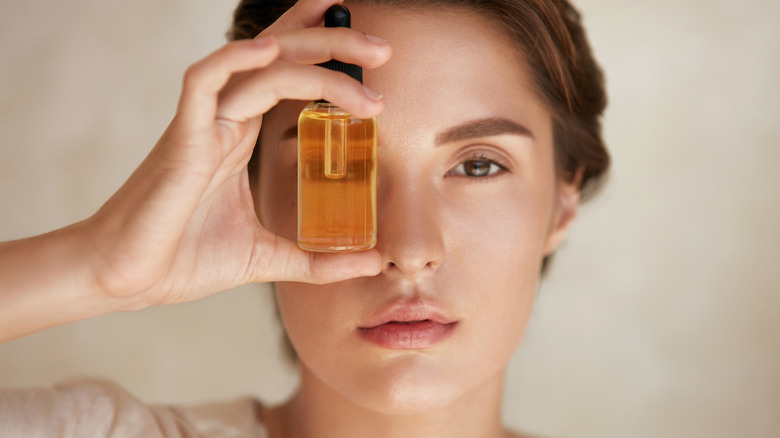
{"x": 567, "y": 201}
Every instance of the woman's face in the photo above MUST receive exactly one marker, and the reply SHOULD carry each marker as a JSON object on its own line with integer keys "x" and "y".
{"x": 468, "y": 206}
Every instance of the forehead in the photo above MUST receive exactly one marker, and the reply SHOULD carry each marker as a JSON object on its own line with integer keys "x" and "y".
{"x": 449, "y": 63}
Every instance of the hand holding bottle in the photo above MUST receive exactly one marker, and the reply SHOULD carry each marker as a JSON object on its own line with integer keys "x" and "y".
{"x": 184, "y": 226}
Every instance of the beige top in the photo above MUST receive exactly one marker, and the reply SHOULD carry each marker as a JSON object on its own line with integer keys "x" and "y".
{"x": 99, "y": 409}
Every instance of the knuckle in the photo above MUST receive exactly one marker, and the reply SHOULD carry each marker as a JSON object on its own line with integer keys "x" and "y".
{"x": 198, "y": 73}
{"x": 232, "y": 47}
{"x": 193, "y": 75}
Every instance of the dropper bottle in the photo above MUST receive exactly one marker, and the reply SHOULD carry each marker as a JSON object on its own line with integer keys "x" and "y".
{"x": 336, "y": 169}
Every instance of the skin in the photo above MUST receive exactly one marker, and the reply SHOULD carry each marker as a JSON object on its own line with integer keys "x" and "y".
{"x": 189, "y": 223}
{"x": 473, "y": 245}
{"x": 183, "y": 226}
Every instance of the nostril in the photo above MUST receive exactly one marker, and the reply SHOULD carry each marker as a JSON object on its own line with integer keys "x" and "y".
{"x": 413, "y": 254}
{"x": 409, "y": 267}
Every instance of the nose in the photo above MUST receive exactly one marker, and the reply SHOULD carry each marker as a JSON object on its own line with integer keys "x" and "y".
{"x": 409, "y": 234}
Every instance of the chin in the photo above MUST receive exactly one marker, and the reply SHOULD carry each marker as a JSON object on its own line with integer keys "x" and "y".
{"x": 406, "y": 388}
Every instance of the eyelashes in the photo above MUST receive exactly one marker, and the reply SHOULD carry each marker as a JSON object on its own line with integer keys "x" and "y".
{"x": 479, "y": 165}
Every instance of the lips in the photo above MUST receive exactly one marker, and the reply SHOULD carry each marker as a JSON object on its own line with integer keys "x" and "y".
{"x": 408, "y": 326}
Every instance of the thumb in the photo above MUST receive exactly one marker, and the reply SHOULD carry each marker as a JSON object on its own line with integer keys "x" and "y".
{"x": 287, "y": 262}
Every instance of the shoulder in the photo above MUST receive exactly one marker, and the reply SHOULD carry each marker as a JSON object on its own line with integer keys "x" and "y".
{"x": 84, "y": 407}
{"x": 95, "y": 407}
{"x": 238, "y": 418}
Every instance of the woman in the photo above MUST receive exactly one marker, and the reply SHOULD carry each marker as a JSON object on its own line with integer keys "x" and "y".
{"x": 489, "y": 134}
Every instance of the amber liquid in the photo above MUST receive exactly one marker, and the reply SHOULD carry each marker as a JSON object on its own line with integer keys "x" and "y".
{"x": 336, "y": 180}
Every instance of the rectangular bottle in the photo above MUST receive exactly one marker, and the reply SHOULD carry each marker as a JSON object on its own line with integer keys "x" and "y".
{"x": 336, "y": 180}
{"x": 336, "y": 168}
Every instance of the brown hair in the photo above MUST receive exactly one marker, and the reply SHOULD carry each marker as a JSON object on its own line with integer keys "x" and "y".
{"x": 550, "y": 35}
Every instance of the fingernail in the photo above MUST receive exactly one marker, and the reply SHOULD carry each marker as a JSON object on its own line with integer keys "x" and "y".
{"x": 373, "y": 95}
{"x": 375, "y": 39}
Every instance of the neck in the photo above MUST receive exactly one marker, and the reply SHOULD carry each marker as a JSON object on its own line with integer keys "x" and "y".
{"x": 317, "y": 411}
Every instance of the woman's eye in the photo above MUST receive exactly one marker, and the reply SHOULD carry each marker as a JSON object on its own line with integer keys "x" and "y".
{"x": 477, "y": 168}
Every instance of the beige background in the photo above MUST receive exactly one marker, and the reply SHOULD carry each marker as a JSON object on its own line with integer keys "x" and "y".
{"x": 660, "y": 317}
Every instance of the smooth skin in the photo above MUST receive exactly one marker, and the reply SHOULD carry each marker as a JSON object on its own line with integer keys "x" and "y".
{"x": 185, "y": 224}
{"x": 471, "y": 244}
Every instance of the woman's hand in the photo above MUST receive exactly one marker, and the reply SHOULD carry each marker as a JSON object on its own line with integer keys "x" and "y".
{"x": 184, "y": 226}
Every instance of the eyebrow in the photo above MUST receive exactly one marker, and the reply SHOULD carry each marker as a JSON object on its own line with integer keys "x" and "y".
{"x": 471, "y": 129}
{"x": 482, "y": 128}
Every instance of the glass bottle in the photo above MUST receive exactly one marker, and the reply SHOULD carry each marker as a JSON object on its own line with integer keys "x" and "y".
{"x": 336, "y": 169}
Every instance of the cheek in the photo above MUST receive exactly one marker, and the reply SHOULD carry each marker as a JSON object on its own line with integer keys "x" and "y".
{"x": 505, "y": 271}
{"x": 278, "y": 190}
{"x": 317, "y": 318}
{"x": 495, "y": 259}
{"x": 297, "y": 305}
{"x": 499, "y": 233}
{"x": 302, "y": 323}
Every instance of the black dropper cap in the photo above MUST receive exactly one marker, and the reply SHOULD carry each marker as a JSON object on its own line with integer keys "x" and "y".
{"x": 338, "y": 16}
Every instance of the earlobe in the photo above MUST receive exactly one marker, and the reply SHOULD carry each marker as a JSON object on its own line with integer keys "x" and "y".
{"x": 567, "y": 203}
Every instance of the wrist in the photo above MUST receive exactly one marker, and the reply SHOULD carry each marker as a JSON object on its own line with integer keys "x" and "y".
{"x": 105, "y": 284}
{"x": 48, "y": 281}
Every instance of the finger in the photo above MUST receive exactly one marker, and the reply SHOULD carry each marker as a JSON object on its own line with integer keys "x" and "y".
{"x": 256, "y": 93}
{"x": 319, "y": 44}
{"x": 204, "y": 79}
{"x": 304, "y": 13}
{"x": 287, "y": 262}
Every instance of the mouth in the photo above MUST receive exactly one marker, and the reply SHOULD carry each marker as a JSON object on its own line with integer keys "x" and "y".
{"x": 408, "y": 326}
